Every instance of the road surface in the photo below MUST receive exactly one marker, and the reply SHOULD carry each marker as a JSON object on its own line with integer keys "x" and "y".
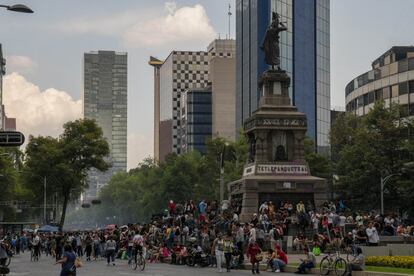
{"x": 21, "y": 265}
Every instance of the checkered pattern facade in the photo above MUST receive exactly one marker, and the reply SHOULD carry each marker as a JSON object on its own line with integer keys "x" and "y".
{"x": 183, "y": 70}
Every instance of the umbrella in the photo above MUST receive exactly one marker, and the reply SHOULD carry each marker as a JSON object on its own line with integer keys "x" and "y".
{"x": 48, "y": 228}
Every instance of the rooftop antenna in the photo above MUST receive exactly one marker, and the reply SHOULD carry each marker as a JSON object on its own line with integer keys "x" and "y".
{"x": 229, "y": 14}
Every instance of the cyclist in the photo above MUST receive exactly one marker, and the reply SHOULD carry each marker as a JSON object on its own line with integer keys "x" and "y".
{"x": 138, "y": 247}
{"x": 3, "y": 253}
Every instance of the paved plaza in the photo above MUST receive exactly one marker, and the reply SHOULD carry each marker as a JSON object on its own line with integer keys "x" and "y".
{"x": 21, "y": 265}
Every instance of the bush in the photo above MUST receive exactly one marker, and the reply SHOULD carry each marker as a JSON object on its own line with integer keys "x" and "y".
{"x": 391, "y": 261}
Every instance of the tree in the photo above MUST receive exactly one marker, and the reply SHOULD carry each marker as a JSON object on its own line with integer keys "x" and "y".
{"x": 319, "y": 165}
{"x": 66, "y": 161}
{"x": 146, "y": 190}
{"x": 8, "y": 182}
{"x": 368, "y": 148}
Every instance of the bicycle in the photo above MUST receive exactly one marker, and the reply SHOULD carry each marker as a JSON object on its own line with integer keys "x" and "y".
{"x": 138, "y": 260}
{"x": 8, "y": 260}
{"x": 351, "y": 253}
{"x": 333, "y": 263}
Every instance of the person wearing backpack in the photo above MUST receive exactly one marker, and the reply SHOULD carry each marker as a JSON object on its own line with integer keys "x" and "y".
{"x": 68, "y": 262}
{"x": 275, "y": 237}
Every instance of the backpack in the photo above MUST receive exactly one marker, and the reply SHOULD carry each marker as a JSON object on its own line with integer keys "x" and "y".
{"x": 276, "y": 234}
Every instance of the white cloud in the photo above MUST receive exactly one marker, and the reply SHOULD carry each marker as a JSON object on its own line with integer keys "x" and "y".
{"x": 38, "y": 112}
{"x": 188, "y": 25}
{"x": 44, "y": 113}
{"x": 170, "y": 6}
{"x": 139, "y": 148}
{"x": 20, "y": 63}
{"x": 184, "y": 25}
{"x": 105, "y": 25}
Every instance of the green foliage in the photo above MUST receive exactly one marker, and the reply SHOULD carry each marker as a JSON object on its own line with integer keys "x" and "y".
{"x": 146, "y": 190}
{"x": 319, "y": 165}
{"x": 364, "y": 149}
{"x": 64, "y": 162}
{"x": 8, "y": 181}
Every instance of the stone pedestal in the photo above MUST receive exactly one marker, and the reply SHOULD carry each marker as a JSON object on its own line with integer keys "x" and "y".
{"x": 277, "y": 169}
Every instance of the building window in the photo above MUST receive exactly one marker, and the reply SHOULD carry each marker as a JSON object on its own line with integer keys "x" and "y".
{"x": 411, "y": 64}
{"x": 403, "y": 65}
{"x": 403, "y": 88}
{"x": 378, "y": 94}
{"x": 371, "y": 97}
{"x": 411, "y": 87}
{"x": 403, "y": 110}
{"x": 400, "y": 56}
{"x": 360, "y": 101}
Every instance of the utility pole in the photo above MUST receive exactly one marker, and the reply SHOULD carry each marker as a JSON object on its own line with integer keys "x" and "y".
{"x": 222, "y": 172}
{"x": 229, "y": 14}
{"x": 44, "y": 200}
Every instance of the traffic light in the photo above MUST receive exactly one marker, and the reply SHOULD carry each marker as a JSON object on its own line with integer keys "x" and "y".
{"x": 11, "y": 139}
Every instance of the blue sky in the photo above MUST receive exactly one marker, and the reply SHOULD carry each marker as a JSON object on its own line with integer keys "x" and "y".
{"x": 45, "y": 50}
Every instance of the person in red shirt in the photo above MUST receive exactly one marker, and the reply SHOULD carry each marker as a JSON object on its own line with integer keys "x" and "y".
{"x": 281, "y": 261}
{"x": 252, "y": 252}
{"x": 171, "y": 208}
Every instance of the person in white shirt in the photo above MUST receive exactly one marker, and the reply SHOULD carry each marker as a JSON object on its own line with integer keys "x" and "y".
{"x": 263, "y": 208}
{"x": 342, "y": 222}
{"x": 373, "y": 237}
{"x": 139, "y": 245}
{"x": 359, "y": 220}
{"x": 315, "y": 223}
{"x": 252, "y": 234}
{"x": 110, "y": 250}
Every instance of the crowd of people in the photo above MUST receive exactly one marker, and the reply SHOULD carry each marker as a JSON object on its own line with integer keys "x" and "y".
{"x": 206, "y": 234}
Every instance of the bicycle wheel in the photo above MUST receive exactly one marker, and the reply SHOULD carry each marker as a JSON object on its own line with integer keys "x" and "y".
{"x": 340, "y": 267}
{"x": 350, "y": 257}
{"x": 141, "y": 262}
{"x": 133, "y": 264}
{"x": 326, "y": 265}
{"x": 8, "y": 261}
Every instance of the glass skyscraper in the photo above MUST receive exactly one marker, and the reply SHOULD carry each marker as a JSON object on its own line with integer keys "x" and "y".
{"x": 196, "y": 119}
{"x": 105, "y": 100}
{"x": 305, "y": 55}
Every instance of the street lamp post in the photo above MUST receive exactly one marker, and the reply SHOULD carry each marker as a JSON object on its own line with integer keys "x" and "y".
{"x": 222, "y": 173}
{"x": 17, "y": 8}
{"x": 384, "y": 181}
{"x": 44, "y": 199}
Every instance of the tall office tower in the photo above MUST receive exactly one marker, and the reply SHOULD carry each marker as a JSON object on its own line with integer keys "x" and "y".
{"x": 2, "y": 73}
{"x": 183, "y": 70}
{"x": 195, "y": 119}
{"x": 105, "y": 100}
{"x": 305, "y": 55}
